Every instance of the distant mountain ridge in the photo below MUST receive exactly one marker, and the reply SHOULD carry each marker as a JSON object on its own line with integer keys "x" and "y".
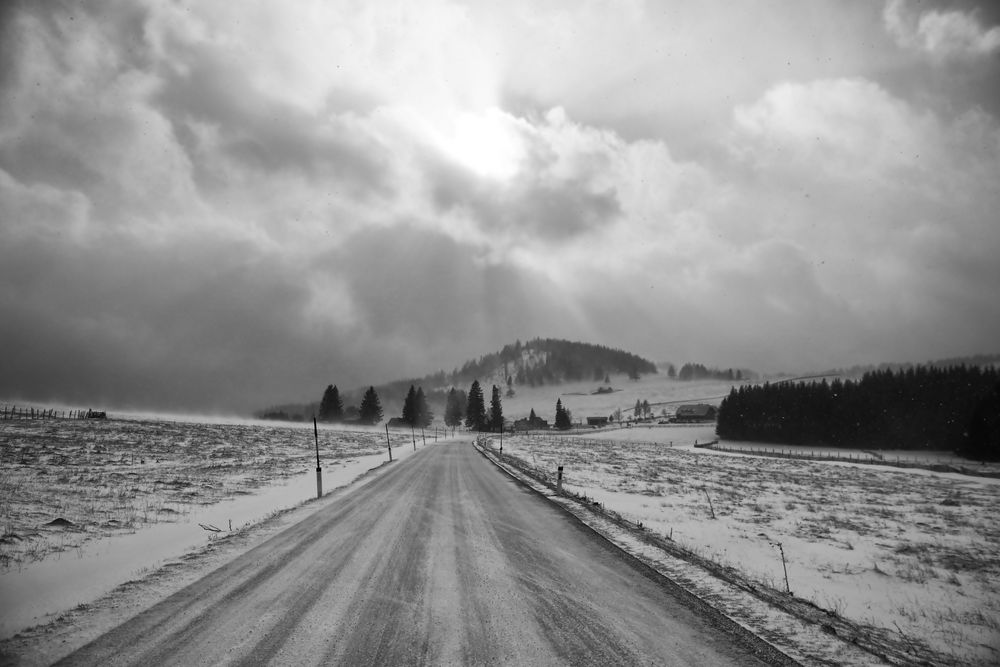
{"x": 541, "y": 361}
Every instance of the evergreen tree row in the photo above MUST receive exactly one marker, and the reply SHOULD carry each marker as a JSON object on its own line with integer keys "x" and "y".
{"x": 551, "y": 361}
{"x": 416, "y": 412}
{"x": 955, "y": 409}
{"x": 476, "y": 416}
{"x": 701, "y": 372}
{"x": 331, "y": 407}
{"x": 460, "y": 407}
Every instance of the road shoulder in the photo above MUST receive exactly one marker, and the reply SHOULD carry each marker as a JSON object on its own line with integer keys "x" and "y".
{"x": 48, "y": 642}
{"x": 788, "y": 636}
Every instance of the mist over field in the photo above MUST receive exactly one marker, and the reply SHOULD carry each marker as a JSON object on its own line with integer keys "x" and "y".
{"x": 217, "y": 207}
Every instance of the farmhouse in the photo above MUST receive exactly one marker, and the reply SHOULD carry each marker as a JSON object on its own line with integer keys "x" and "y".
{"x": 597, "y": 421}
{"x": 697, "y": 412}
{"x": 528, "y": 424}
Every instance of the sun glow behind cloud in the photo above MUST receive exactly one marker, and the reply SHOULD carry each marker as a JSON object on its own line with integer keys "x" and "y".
{"x": 488, "y": 143}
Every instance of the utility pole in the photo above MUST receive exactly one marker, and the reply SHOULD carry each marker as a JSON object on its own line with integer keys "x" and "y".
{"x": 319, "y": 470}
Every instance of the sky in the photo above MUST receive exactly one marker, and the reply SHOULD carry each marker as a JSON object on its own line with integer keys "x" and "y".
{"x": 219, "y": 206}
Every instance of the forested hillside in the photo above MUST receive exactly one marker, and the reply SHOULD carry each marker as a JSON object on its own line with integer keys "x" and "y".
{"x": 932, "y": 408}
{"x": 541, "y": 361}
{"x": 552, "y": 361}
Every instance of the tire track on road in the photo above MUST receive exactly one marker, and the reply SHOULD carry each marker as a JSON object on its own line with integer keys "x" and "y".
{"x": 440, "y": 560}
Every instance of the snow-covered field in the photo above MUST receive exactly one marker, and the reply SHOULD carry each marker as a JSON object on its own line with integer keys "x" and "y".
{"x": 910, "y": 550}
{"x": 86, "y": 505}
{"x": 579, "y": 397}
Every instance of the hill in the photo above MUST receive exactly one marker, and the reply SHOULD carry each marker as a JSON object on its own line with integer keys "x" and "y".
{"x": 536, "y": 363}
{"x": 550, "y": 361}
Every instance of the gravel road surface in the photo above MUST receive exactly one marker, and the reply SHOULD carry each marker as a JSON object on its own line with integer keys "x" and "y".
{"x": 441, "y": 560}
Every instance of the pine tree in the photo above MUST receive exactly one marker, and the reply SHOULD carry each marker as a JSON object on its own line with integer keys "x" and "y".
{"x": 410, "y": 407}
{"x": 331, "y": 408}
{"x": 982, "y": 439}
{"x": 324, "y": 404}
{"x": 914, "y": 408}
{"x": 637, "y": 410}
{"x": 475, "y": 411}
{"x": 563, "y": 420}
{"x": 371, "y": 408}
{"x": 424, "y": 416}
{"x": 496, "y": 411}
{"x": 454, "y": 409}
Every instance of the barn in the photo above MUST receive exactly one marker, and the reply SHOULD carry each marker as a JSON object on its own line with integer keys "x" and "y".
{"x": 696, "y": 412}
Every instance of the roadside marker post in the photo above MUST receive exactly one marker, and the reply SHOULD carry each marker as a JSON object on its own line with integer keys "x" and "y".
{"x": 559, "y": 480}
{"x": 388, "y": 443}
{"x": 319, "y": 470}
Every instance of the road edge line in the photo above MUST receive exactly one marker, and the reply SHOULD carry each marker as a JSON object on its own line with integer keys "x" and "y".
{"x": 591, "y": 518}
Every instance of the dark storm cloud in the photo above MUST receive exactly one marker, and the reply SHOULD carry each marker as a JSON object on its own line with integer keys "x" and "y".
{"x": 176, "y": 327}
{"x": 434, "y": 301}
{"x": 544, "y": 211}
{"x": 265, "y": 133}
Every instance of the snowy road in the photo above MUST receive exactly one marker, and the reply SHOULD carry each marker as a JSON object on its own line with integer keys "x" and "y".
{"x": 443, "y": 559}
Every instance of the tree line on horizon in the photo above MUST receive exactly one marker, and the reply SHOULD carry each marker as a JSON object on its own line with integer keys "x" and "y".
{"x": 462, "y": 408}
{"x": 538, "y": 362}
{"x": 693, "y": 371}
{"x": 551, "y": 361}
{"x": 331, "y": 407}
{"x": 920, "y": 408}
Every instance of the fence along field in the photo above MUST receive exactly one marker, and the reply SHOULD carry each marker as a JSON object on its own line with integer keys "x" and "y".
{"x": 909, "y": 552}
{"x": 68, "y": 481}
{"x": 12, "y": 412}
